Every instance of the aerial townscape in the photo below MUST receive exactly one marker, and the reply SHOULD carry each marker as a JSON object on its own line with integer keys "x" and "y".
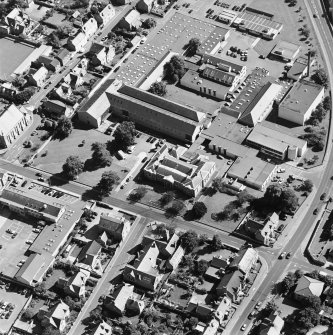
{"x": 166, "y": 167}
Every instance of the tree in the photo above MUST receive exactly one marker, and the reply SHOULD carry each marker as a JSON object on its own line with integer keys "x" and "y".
{"x": 313, "y": 302}
{"x": 18, "y": 81}
{"x": 194, "y": 45}
{"x": 73, "y": 167}
{"x": 288, "y": 282}
{"x": 101, "y": 156}
{"x": 28, "y": 314}
{"x": 192, "y": 322}
{"x": 25, "y": 95}
{"x": 139, "y": 193}
{"x": 149, "y": 23}
{"x": 243, "y": 197}
{"x": 289, "y": 200}
{"x": 216, "y": 243}
{"x": 53, "y": 40}
{"x": 320, "y": 77}
{"x": 167, "y": 197}
{"x": 158, "y": 88}
{"x": 271, "y": 306}
{"x": 199, "y": 209}
{"x": 218, "y": 184}
{"x": 39, "y": 289}
{"x": 174, "y": 69}
{"x": 125, "y": 134}
{"x": 327, "y": 103}
{"x": 273, "y": 193}
{"x": 63, "y": 31}
{"x": 202, "y": 267}
{"x": 50, "y": 330}
{"x": 107, "y": 182}
{"x": 176, "y": 207}
{"x": 64, "y": 127}
{"x": 306, "y": 318}
{"x": 307, "y": 185}
{"x": 189, "y": 240}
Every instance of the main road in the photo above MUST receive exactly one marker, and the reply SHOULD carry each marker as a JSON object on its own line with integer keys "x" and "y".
{"x": 278, "y": 267}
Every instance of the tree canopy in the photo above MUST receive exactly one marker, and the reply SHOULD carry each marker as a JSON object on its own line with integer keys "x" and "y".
{"x": 174, "y": 69}
{"x": 158, "y": 88}
{"x": 280, "y": 197}
{"x": 194, "y": 44}
{"x": 73, "y": 167}
{"x": 199, "y": 209}
{"x": 125, "y": 133}
{"x": 167, "y": 197}
{"x": 101, "y": 155}
{"x": 189, "y": 240}
{"x": 64, "y": 127}
{"x": 149, "y": 23}
{"x": 25, "y": 95}
{"x": 107, "y": 182}
{"x": 216, "y": 243}
{"x": 320, "y": 77}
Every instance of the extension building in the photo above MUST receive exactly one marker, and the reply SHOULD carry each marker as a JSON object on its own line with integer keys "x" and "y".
{"x": 301, "y": 101}
{"x": 275, "y": 143}
{"x": 285, "y": 51}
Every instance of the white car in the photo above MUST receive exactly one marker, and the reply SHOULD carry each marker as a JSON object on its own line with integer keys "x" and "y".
{"x": 131, "y": 149}
{"x": 244, "y": 326}
{"x": 28, "y": 242}
{"x": 36, "y": 230}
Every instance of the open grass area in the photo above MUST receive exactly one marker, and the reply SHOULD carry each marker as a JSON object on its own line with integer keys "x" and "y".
{"x": 18, "y": 53}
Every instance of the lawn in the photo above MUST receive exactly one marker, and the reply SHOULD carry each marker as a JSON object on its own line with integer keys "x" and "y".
{"x": 18, "y": 53}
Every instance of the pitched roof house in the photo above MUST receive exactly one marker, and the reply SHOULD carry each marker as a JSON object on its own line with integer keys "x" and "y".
{"x": 105, "y": 16}
{"x": 245, "y": 260}
{"x": 57, "y": 316}
{"x": 145, "y": 270}
{"x": 307, "y": 287}
{"x": 102, "y": 329}
{"x": 75, "y": 286}
{"x": 115, "y": 224}
{"x": 89, "y": 257}
{"x": 77, "y": 42}
{"x": 272, "y": 325}
{"x": 231, "y": 285}
{"x": 100, "y": 54}
{"x": 131, "y": 20}
{"x": 37, "y": 78}
{"x": 145, "y": 6}
{"x": 90, "y": 27}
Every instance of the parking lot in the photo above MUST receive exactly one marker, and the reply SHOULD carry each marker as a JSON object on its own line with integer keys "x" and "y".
{"x": 13, "y": 249}
{"x": 17, "y": 301}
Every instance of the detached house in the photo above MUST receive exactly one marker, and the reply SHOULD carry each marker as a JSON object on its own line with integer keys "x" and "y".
{"x": 88, "y": 258}
{"x": 245, "y": 260}
{"x": 145, "y": 6}
{"x": 263, "y": 232}
{"x": 131, "y": 21}
{"x": 37, "y": 77}
{"x": 124, "y": 299}
{"x": 99, "y": 54}
{"x": 102, "y": 329}
{"x": 56, "y": 316}
{"x": 77, "y": 42}
{"x": 307, "y": 287}
{"x": 90, "y": 27}
{"x": 145, "y": 270}
{"x": 105, "y": 16}
{"x": 272, "y": 325}
{"x": 75, "y": 286}
{"x": 231, "y": 285}
{"x": 63, "y": 56}
{"x": 18, "y": 22}
{"x": 115, "y": 225}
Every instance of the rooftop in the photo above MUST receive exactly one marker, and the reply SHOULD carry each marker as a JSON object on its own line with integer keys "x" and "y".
{"x": 222, "y": 63}
{"x": 215, "y": 37}
{"x": 286, "y": 49}
{"x": 9, "y": 118}
{"x": 301, "y": 96}
{"x": 299, "y": 66}
{"x": 307, "y": 286}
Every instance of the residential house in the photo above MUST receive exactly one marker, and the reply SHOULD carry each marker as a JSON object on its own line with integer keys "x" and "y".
{"x": 175, "y": 171}
{"x": 76, "y": 285}
{"x": 81, "y": 68}
{"x": 52, "y": 64}
{"x": 272, "y": 325}
{"x": 88, "y": 258}
{"x": 122, "y": 299}
{"x": 37, "y": 77}
{"x": 102, "y": 329}
{"x": 100, "y": 54}
{"x": 173, "y": 262}
{"x": 105, "y": 16}
{"x": 131, "y": 21}
{"x": 74, "y": 80}
{"x": 64, "y": 92}
{"x": 18, "y": 22}
{"x": 199, "y": 306}
{"x": 145, "y": 271}
{"x": 56, "y": 316}
{"x": 114, "y": 224}
{"x": 245, "y": 260}
{"x": 34, "y": 269}
{"x": 231, "y": 285}
{"x": 145, "y": 6}
{"x": 8, "y": 91}
{"x": 307, "y": 287}
{"x": 56, "y": 108}
{"x": 13, "y": 122}
{"x": 89, "y": 28}
{"x": 76, "y": 43}
{"x": 217, "y": 268}
{"x": 263, "y": 232}
{"x": 63, "y": 56}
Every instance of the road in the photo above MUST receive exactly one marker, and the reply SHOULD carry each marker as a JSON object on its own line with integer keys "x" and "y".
{"x": 278, "y": 267}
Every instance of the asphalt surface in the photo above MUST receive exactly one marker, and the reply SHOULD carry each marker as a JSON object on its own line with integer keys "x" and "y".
{"x": 278, "y": 267}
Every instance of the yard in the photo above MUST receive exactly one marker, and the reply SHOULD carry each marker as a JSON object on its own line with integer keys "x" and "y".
{"x": 18, "y": 53}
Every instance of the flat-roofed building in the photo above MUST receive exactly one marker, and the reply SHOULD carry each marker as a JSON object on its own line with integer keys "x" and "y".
{"x": 227, "y": 16}
{"x": 175, "y": 172}
{"x": 257, "y": 24}
{"x": 13, "y": 122}
{"x": 214, "y": 41}
{"x": 275, "y": 143}
{"x": 285, "y": 51}
{"x": 300, "y": 102}
{"x": 252, "y": 171}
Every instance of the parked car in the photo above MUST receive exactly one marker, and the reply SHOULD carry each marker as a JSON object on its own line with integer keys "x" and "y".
{"x": 323, "y": 196}
{"x": 288, "y": 255}
{"x": 315, "y": 212}
{"x": 244, "y": 327}
{"x": 41, "y": 179}
{"x": 14, "y": 235}
{"x": 252, "y": 315}
{"x": 38, "y": 174}
{"x": 282, "y": 255}
{"x": 258, "y": 305}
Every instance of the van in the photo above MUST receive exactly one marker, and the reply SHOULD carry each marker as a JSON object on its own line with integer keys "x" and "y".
{"x": 121, "y": 154}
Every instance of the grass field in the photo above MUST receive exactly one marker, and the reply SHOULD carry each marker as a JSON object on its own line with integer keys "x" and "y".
{"x": 12, "y": 54}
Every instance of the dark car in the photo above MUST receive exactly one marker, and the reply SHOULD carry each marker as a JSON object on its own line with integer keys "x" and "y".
{"x": 288, "y": 255}
{"x": 38, "y": 174}
{"x": 323, "y": 196}
{"x": 144, "y": 159}
{"x": 252, "y": 315}
{"x": 315, "y": 212}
